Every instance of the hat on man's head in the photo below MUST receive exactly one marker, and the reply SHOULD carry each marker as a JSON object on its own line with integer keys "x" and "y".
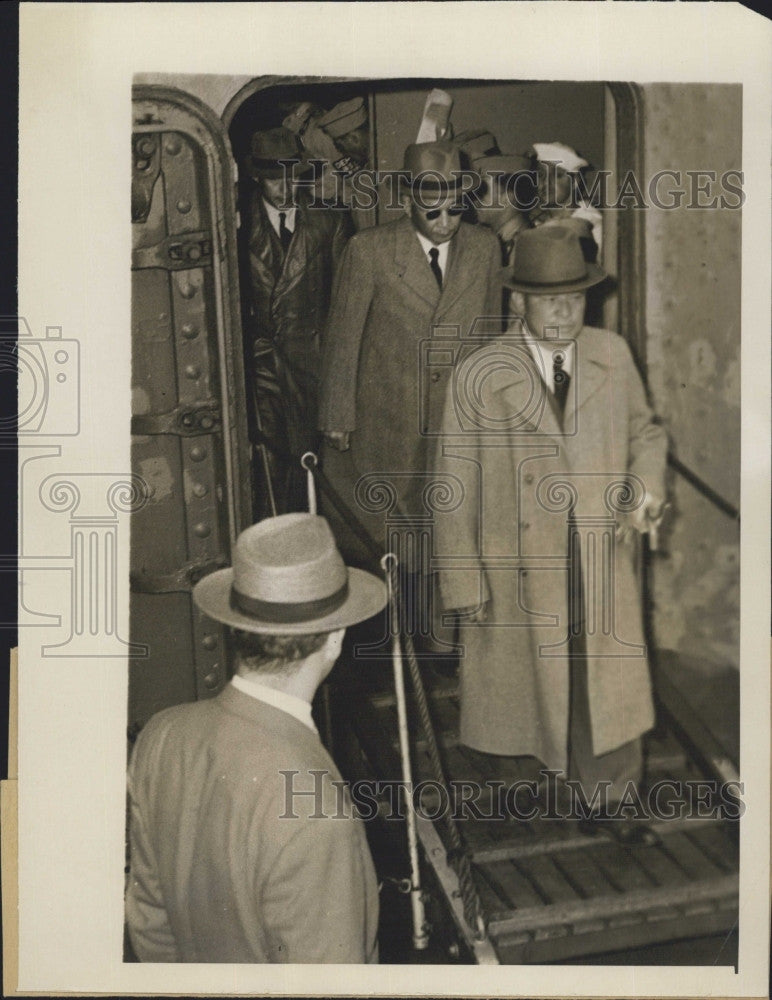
{"x": 433, "y": 168}
{"x": 560, "y": 154}
{"x": 482, "y": 151}
{"x": 268, "y": 150}
{"x": 288, "y": 578}
{"x": 344, "y": 117}
{"x": 549, "y": 260}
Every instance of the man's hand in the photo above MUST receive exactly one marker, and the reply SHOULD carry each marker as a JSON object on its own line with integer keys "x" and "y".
{"x": 643, "y": 519}
{"x": 340, "y": 440}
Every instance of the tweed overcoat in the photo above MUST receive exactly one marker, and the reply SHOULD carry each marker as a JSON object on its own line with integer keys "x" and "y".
{"x": 379, "y": 381}
{"x": 229, "y": 862}
{"x": 518, "y": 474}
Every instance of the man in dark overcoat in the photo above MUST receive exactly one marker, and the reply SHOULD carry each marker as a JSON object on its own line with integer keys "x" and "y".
{"x": 244, "y": 843}
{"x": 380, "y": 404}
{"x": 549, "y": 432}
{"x": 291, "y": 249}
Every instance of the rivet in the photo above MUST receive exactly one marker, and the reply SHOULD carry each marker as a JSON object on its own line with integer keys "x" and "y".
{"x": 187, "y": 291}
{"x": 192, "y": 371}
{"x": 209, "y": 642}
{"x": 194, "y": 252}
{"x": 206, "y": 423}
{"x": 173, "y": 146}
{"x": 189, "y": 331}
{"x": 146, "y": 147}
{"x": 183, "y": 206}
{"x": 199, "y": 490}
{"x": 197, "y": 453}
{"x": 202, "y": 530}
{"x": 143, "y": 164}
{"x": 212, "y": 679}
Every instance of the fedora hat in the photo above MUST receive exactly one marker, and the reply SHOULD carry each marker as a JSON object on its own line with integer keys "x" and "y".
{"x": 549, "y": 260}
{"x": 269, "y": 150}
{"x": 433, "y": 168}
{"x": 481, "y": 149}
{"x": 288, "y": 578}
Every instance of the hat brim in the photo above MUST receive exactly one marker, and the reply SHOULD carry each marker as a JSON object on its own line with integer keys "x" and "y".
{"x": 300, "y": 168}
{"x": 366, "y": 597}
{"x": 595, "y": 274}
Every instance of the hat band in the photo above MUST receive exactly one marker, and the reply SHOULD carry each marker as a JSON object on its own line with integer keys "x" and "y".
{"x": 289, "y": 612}
{"x": 550, "y": 284}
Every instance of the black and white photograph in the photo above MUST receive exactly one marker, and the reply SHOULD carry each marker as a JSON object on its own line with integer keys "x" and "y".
{"x": 397, "y": 522}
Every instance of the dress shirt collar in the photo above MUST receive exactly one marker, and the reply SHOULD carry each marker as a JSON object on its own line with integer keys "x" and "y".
{"x": 542, "y": 352}
{"x": 273, "y": 216}
{"x": 444, "y": 249}
{"x": 289, "y": 703}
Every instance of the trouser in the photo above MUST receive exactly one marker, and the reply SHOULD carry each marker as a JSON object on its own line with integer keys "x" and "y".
{"x": 618, "y": 766}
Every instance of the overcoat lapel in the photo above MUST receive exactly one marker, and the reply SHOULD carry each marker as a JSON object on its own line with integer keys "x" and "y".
{"x": 590, "y": 375}
{"x": 461, "y": 272}
{"x": 412, "y": 266}
{"x": 519, "y": 396}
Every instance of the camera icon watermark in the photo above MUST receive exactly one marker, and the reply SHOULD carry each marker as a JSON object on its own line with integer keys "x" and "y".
{"x": 48, "y": 379}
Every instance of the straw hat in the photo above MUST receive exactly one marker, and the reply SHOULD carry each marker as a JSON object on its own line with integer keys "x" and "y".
{"x": 288, "y": 578}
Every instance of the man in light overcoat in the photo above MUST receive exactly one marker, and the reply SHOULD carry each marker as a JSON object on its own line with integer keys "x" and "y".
{"x": 549, "y": 433}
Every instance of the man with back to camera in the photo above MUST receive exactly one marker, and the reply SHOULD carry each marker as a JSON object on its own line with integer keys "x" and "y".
{"x": 231, "y": 859}
{"x": 560, "y": 435}
{"x": 395, "y": 283}
{"x": 291, "y": 253}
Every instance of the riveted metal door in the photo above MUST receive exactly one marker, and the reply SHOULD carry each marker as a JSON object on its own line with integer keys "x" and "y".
{"x": 189, "y": 437}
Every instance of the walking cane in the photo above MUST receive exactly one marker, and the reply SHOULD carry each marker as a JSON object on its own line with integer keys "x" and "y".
{"x": 389, "y": 565}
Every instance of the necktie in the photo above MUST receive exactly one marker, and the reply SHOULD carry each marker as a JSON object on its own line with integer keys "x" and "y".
{"x": 285, "y": 234}
{"x": 434, "y": 264}
{"x": 561, "y": 378}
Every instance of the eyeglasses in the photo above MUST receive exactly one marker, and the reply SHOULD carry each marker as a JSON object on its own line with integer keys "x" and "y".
{"x": 434, "y": 213}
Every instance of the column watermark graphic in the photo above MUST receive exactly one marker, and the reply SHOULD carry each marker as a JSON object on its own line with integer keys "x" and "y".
{"x": 97, "y": 505}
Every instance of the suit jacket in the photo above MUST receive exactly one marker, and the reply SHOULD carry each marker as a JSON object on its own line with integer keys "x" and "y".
{"x": 379, "y": 378}
{"x": 519, "y": 475}
{"x": 229, "y": 860}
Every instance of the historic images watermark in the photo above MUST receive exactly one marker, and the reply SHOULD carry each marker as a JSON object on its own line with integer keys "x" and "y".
{"x": 553, "y": 798}
{"x": 97, "y": 504}
{"x": 664, "y": 189}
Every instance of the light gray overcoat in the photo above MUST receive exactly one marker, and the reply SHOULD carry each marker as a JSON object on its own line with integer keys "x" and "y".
{"x": 506, "y": 541}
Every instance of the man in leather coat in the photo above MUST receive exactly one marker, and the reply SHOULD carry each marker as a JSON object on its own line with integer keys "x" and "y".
{"x": 291, "y": 251}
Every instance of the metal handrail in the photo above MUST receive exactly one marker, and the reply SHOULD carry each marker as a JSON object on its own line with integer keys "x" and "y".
{"x": 702, "y": 487}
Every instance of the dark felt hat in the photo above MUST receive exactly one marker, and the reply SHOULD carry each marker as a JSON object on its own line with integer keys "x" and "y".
{"x": 270, "y": 150}
{"x": 549, "y": 260}
{"x": 433, "y": 168}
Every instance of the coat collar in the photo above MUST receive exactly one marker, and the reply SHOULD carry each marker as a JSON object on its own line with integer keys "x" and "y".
{"x": 413, "y": 267}
{"x": 591, "y": 371}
